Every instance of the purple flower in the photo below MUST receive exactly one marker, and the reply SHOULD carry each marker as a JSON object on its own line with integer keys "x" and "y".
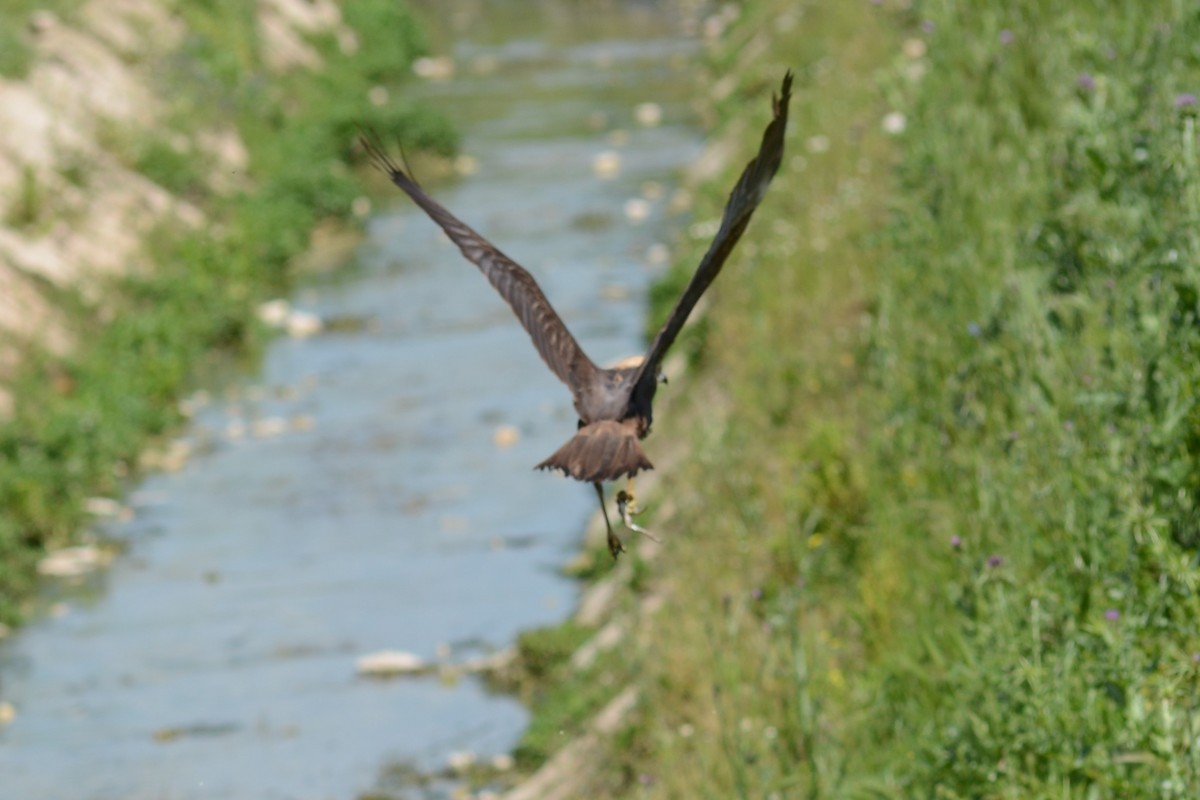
{"x": 1196, "y": 658}
{"x": 928, "y": 26}
{"x": 1112, "y": 615}
{"x": 1085, "y": 82}
{"x": 757, "y": 594}
{"x": 646, "y": 780}
{"x": 974, "y": 329}
{"x": 1068, "y": 426}
{"x": 995, "y": 561}
{"x": 956, "y": 542}
{"x": 1185, "y": 100}
{"x": 1006, "y": 37}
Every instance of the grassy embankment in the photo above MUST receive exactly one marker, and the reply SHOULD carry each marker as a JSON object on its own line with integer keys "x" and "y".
{"x": 945, "y": 542}
{"x": 16, "y": 51}
{"x": 81, "y": 422}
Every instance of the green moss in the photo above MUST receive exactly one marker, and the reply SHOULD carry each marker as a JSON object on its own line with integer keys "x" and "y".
{"x": 543, "y": 650}
{"x": 563, "y": 699}
{"x": 562, "y": 713}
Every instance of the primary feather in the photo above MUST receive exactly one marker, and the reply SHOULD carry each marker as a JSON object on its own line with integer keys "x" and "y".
{"x": 550, "y": 336}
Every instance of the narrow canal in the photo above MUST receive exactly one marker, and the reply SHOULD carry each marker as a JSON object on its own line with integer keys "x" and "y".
{"x": 371, "y": 488}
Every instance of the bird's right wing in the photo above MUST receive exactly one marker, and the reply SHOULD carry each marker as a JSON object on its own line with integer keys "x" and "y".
{"x": 745, "y": 197}
{"x": 550, "y": 336}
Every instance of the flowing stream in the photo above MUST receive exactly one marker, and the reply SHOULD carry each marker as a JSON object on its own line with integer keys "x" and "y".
{"x": 371, "y": 487}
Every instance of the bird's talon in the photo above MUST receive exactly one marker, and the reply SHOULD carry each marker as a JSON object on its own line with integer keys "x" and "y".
{"x": 615, "y": 546}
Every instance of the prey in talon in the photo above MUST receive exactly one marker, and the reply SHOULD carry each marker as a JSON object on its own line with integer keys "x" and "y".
{"x": 613, "y": 404}
{"x": 628, "y": 508}
{"x": 626, "y": 502}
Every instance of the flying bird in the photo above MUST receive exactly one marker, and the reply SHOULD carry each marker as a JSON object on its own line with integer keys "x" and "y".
{"x": 614, "y": 405}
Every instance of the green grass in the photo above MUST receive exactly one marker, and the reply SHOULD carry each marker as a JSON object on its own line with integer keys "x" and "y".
{"x": 16, "y": 39}
{"x": 82, "y": 420}
{"x": 30, "y": 202}
{"x": 1047, "y": 408}
{"x": 543, "y": 677}
{"x": 944, "y": 545}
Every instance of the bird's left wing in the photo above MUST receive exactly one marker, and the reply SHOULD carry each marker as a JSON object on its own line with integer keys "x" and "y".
{"x": 550, "y": 336}
{"x": 745, "y": 197}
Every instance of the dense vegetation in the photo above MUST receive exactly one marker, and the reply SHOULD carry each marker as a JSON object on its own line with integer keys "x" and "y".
{"x": 945, "y": 542}
{"x": 81, "y": 421}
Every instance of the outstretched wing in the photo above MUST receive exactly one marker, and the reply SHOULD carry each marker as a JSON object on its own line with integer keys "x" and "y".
{"x": 746, "y": 195}
{"x": 550, "y": 336}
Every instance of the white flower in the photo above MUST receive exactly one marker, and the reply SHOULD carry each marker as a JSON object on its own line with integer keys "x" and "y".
{"x": 894, "y": 123}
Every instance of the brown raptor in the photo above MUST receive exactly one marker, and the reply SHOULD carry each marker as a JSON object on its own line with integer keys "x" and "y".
{"x": 614, "y": 405}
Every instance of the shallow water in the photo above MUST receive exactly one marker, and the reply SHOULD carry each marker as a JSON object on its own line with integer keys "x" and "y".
{"x": 216, "y": 659}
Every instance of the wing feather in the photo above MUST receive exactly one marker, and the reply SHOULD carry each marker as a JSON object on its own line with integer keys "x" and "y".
{"x": 550, "y": 336}
{"x": 745, "y": 197}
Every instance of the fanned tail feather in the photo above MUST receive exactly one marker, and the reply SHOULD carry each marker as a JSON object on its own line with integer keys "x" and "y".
{"x": 600, "y": 451}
